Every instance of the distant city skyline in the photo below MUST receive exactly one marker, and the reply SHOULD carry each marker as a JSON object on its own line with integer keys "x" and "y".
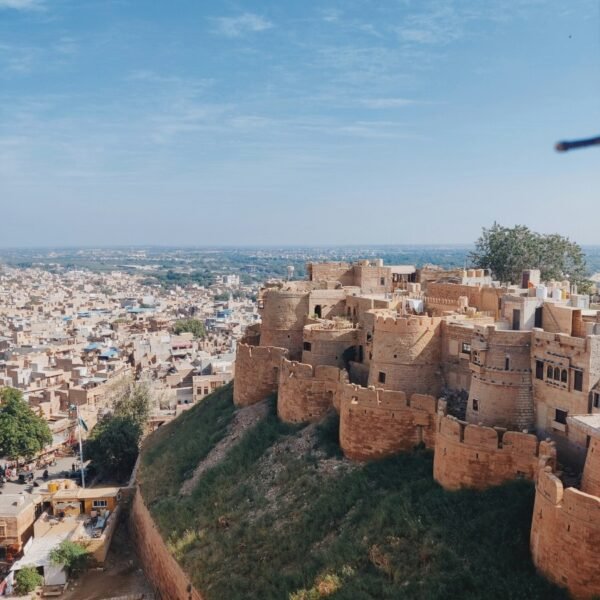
{"x": 282, "y": 123}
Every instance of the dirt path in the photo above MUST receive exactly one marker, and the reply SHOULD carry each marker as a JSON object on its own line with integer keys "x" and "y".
{"x": 121, "y": 577}
{"x": 243, "y": 420}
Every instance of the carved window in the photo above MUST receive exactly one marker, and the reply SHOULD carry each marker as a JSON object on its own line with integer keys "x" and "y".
{"x": 556, "y": 374}
{"x": 564, "y": 376}
{"x": 381, "y": 377}
{"x": 475, "y": 405}
{"x": 307, "y": 346}
{"x": 596, "y": 400}
{"x": 2, "y": 530}
{"x": 382, "y": 281}
{"x": 465, "y": 348}
{"x": 549, "y": 372}
{"x": 539, "y": 369}
{"x": 507, "y": 363}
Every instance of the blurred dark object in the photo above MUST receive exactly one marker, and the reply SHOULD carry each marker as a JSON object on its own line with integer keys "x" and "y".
{"x": 564, "y": 146}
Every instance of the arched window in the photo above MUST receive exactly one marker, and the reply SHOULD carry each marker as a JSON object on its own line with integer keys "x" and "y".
{"x": 549, "y": 372}
{"x": 564, "y": 376}
{"x": 556, "y": 373}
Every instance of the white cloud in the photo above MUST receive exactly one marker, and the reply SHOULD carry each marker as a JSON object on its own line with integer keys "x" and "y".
{"x": 22, "y": 4}
{"x": 244, "y": 23}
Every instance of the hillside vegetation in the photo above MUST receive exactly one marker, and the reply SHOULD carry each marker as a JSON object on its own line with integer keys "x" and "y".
{"x": 283, "y": 515}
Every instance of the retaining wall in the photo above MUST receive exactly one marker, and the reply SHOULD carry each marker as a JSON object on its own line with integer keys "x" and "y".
{"x": 162, "y": 570}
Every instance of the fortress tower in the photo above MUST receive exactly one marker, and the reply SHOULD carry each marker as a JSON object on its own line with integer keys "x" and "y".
{"x": 501, "y": 388}
{"x": 406, "y": 354}
{"x": 283, "y": 313}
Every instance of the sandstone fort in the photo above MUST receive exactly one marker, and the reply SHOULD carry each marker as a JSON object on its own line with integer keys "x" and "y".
{"x": 501, "y": 382}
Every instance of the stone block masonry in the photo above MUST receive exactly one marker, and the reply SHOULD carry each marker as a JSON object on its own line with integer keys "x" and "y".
{"x": 474, "y": 456}
{"x": 407, "y": 354}
{"x": 166, "y": 576}
{"x": 376, "y": 423}
{"x": 306, "y": 393}
{"x": 256, "y": 373}
{"x": 565, "y": 536}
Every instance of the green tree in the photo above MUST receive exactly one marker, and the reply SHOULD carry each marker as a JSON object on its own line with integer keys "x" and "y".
{"x": 134, "y": 403}
{"x": 113, "y": 447}
{"x": 27, "y": 579}
{"x": 22, "y": 433}
{"x": 194, "y": 326}
{"x": 72, "y": 556}
{"x": 507, "y": 251}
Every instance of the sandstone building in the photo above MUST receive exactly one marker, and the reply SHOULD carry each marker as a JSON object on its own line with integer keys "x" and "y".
{"x": 501, "y": 382}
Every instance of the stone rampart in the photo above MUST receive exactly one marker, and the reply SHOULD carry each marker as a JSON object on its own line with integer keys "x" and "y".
{"x": 161, "y": 569}
{"x": 256, "y": 373}
{"x": 375, "y": 423}
{"x": 306, "y": 393}
{"x": 501, "y": 388}
{"x": 565, "y": 536}
{"x": 330, "y": 344}
{"x": 284, "y": 313}
{"x": 474, "y": 456}
{"x": 407, "y": 354}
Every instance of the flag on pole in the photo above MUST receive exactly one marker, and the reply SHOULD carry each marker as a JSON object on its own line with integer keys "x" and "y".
{"x": 83, "y": 424}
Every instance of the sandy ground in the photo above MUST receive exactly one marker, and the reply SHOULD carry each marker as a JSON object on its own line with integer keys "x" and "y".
{"x": 121, "y": 577}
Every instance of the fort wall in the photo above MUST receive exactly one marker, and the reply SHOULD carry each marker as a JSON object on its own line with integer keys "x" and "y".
{"x": 161, "y": 569}
{"x": 406, "y": 354}
{"x": 331, "y": 271}
{"x": 475, "y": 456}
{"x": 306, "y": 393}
{"x": 283, "y": 314}
{"x": 565, "y": 536}
{"x": 256, "y": 374}
{"x": 375, "y": 423}
{"x": 330, "y": 344}
{"x": 501, "y": 389}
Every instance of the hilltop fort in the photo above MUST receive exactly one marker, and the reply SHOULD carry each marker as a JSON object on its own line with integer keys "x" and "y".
{"x": 502, "y": 382}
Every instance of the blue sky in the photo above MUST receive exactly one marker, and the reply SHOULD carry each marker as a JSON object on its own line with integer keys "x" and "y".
{"x": 356, "y": 121}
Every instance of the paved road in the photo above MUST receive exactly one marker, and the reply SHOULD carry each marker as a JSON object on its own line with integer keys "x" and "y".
{"x": 56, "y": 472}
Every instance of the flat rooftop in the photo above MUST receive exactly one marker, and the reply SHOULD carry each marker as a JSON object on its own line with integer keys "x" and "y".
{"x": 588, "y": 424}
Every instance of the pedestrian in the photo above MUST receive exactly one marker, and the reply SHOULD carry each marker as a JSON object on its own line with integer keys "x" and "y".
{"x": 73, "y": 467}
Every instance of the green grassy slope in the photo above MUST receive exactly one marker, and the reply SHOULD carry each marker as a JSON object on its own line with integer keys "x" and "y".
{"x": 284, "y": 516}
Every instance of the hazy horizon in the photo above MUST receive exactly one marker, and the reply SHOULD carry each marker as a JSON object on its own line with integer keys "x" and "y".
{"x": 279, "y": 124}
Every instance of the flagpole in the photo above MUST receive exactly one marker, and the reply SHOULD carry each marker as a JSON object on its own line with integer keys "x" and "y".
{"x": 80, "y": 447}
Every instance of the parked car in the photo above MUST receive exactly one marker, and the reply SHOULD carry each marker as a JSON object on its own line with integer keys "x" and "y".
{"x": 25, "y": 477}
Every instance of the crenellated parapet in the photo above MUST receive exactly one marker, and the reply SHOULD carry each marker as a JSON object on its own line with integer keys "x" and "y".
{"x": 405, "y": 325}
{"x": 476, "y": 456}
{"x": 307, "y": 393}
{"x": 565, "y": 536}
{"x": 406, "y": 354}
{"x": 375, "y": 423}
{"x": 256, "y": 373}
